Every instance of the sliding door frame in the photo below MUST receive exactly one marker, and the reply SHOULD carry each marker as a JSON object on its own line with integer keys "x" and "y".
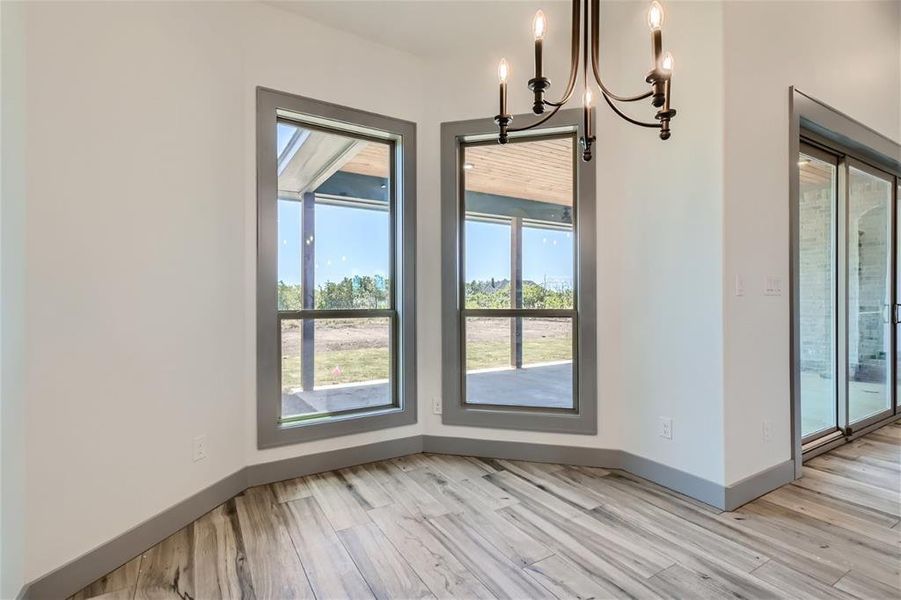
{"x": 816, "y": 124}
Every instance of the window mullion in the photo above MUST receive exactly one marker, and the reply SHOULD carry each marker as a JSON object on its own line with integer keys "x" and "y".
{"x": 519, "y": 312}
{"x": 337, "y": 313}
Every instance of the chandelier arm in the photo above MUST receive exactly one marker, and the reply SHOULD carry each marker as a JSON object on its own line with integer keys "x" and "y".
{"x": 626, "y": 117}
{"x": 595, "y": 58}
{"x": 540, "y": 121}
{"x": 573, "y": 58}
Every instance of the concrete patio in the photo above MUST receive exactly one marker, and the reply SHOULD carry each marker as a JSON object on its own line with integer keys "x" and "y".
{"x": 546, "y": 385}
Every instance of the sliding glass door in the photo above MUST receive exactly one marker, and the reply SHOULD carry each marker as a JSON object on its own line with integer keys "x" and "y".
{"x": 870, "y": 294}
{"x": 896, "y": 311}
{"x": 847, "y": 251}
{"x": 817, "y": 300}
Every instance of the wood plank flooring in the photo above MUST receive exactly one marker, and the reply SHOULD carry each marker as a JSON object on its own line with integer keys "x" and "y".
{"x": 431, "y": 526}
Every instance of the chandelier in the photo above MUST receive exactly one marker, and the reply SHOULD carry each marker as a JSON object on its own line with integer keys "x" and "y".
{"x": 586, "y": 19}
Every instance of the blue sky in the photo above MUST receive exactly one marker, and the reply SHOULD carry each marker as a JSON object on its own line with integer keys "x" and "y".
{"x": 352, "y": 242}
{"x": 284, "y": 133}
{"x": 355, "y": 242}
{"x": 348, "y": 242}
{"x": 546, "y": 253}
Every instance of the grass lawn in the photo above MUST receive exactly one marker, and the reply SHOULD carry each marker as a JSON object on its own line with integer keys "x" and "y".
{"x": 368, "y": 364}
{"x": 339, "y": 366}
{"x": 356, "y": 350}
{"x": 487, "y": 355}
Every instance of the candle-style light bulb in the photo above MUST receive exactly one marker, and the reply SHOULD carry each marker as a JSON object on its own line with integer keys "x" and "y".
{"x": 539, "y": 25}
{"x": 666, "y": 68}
{"x": 502, "y": 71}
{"x": 655, "y": 16}
{"x": 667, "y": 63}
{"x": 588, "y": 128}
{"x": 589, "y": 133}
{"x": 658, "y": 74}
{"x": 539, "y": 83}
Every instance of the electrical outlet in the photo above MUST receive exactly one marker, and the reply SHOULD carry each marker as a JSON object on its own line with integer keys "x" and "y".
{"x": 767, "y": 431}
{"x": 665, "y": 428}
{"x": 436, "y": 405}
{"x": 739, "y": 286}
{"x": 199, "y": 452}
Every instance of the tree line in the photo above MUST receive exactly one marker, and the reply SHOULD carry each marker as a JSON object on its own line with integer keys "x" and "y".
{"x": 368, "y": 292}
{"x": 360, "y": 291}
{"x": 496, "y": 294}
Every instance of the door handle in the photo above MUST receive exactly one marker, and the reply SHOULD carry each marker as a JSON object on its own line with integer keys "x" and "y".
{"x": 891, "y": 313}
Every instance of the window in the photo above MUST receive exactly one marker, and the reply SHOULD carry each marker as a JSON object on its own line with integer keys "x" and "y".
{"x": 519, "y": 307}
{"x": 335, "y": 251}
{"x": 518, "y": 253}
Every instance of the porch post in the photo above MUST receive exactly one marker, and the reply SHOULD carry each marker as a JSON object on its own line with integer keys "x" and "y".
{"x": 308, "y": 284}
{"x": 516, "y": 291}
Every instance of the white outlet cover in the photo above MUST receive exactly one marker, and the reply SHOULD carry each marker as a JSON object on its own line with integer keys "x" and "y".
{"x": 199, "y": 448}
{"x": 665, "y": 428}
{"x": 436, "y": 405}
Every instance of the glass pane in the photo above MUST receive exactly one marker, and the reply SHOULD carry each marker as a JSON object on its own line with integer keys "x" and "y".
{"x": 518, "y": 200}
{"x": 291, "y": 334}
{"x": 334, "y": 220}
{"x": 335, "y": 365}
{"x": 547, "y": 266}
{"x": 869, "y": 226}
{"x": 487, "y": 271}
{"x": 547, "y": 341}
{"x": 521, "y": 361}
{"x": 289, "y": 255}
{"x": 816, "y": 245}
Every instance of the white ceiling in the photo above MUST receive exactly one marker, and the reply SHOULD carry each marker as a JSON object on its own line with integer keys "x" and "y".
{"x": 435, "y": 28}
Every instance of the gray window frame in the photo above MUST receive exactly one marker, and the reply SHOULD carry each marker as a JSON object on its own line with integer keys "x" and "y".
{"x": 455, "y": 411}
{"x": 273, "y": 106}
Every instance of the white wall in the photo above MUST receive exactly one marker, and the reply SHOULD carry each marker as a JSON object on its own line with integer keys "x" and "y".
{"x": 659, "y": 229}
{"x": 663, "y": 204}
{"x": 12, "y": 300}
{"x": 140, "y": 247}
{"x": 844, "y": 54}
{"x": 141, "y": 234}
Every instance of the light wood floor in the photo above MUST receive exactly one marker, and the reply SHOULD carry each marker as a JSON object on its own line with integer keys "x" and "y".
{"x": 430, "y": 525}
